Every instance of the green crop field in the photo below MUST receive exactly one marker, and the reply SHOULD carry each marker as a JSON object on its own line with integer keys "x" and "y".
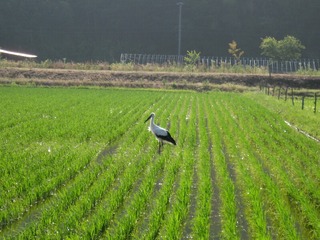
{"x": 80, "y": 164}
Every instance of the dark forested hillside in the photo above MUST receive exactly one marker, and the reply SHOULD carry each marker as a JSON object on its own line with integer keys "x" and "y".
{"x": 82, "y": 30}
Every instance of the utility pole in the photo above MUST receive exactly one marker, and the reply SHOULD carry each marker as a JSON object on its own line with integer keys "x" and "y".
{"x": 179, "y": 31}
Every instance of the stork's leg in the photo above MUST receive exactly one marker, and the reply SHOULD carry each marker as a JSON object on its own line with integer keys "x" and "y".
{"x": 160, "y": 145}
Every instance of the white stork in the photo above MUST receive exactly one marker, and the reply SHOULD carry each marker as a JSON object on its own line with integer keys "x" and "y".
{"x": 160, "y": 133}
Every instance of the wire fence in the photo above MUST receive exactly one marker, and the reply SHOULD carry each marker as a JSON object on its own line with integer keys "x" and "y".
{"x": 303, "y": 99}
{"x": 213, "y": 62}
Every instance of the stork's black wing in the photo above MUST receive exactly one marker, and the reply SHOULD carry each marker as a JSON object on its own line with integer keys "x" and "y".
{"x": 167, "y": 138}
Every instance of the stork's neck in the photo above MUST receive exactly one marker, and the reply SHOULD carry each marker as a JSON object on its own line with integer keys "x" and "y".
{"x": 152, "y": 121}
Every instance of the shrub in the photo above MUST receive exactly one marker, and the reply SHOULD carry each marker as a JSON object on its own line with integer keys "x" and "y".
{"x": 288, "y": 48}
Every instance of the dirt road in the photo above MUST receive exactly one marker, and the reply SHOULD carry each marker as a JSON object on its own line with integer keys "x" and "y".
{"x": 197, "y": 81}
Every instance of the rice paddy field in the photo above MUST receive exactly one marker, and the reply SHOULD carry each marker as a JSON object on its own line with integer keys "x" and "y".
{"x": 80, "y": 164}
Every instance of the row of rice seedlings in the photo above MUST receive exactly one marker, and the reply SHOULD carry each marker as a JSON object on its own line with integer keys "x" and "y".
{"x": 51, "y": 182}
{"x": 231, "y": 153}
{"x": 201, "y": 220}
{"x": 304, "y": 161}
{"x": 294, "y": 196}
{"x": 188, "y": 221}
{"x": 91, "y": 197}
{"x": 242, "y": 160}
{"x": 124, "y": 223}
{"x": 297, "y": 189}
{"x": 101, "y": 216}
{"x": 20, "y": 103}
{"x": 279, "y": 172}
{"x": 18, "y": 205}
{"x": 278, "y": 212}
{"x": 34, "y": 175}
{"x": 68, "y": 166}
{"x": 228, "y": 208}
{"x": 172, "y": 227}
{"x": 215, "y": 215}
{"x": 48, "y": 214}
{"x": 308, "y": 149}
{"x": 305, "y": 120}
{"x": 103, "y": 111}
{"x": 156, "y": 209}
{"x": 279, "y": 179}
{"x": 129, "y": 139}
{"x": 302, "y": 165}
{"x": 160, "y": 205}
{"x": 24, "y": 134}
{"x": 304, "y": 157}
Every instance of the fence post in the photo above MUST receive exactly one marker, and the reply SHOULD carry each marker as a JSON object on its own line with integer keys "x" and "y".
{"x": 302, "y": 102}
{"x": 286, "y": 94}
{"x": 290, "y": 65}
{"x": 279, "y": 93}
{"x": 292, "y": 97}
{"x": 315, "y": 103}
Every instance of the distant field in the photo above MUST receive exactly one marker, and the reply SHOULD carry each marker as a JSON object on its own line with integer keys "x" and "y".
{"x": 80, "y": 164}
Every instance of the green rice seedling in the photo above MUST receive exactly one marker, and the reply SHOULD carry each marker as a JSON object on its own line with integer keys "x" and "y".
{"x": 201, "y": 221}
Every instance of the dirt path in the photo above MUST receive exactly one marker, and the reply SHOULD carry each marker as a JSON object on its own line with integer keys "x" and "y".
{"x": 197, "y": 81}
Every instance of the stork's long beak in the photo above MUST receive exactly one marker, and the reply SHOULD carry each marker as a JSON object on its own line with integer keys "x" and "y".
{"x": 148, "y": 118}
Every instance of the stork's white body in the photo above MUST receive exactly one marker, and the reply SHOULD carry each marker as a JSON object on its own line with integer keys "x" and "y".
{"x": 160, "y": 133}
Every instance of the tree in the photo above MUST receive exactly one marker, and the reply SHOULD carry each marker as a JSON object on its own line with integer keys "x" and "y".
{"x": 269, "y": 47}
{"x": 288, "y": 48}
{"x": 234, "y": 51}
{"x": 192, "y": 57}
